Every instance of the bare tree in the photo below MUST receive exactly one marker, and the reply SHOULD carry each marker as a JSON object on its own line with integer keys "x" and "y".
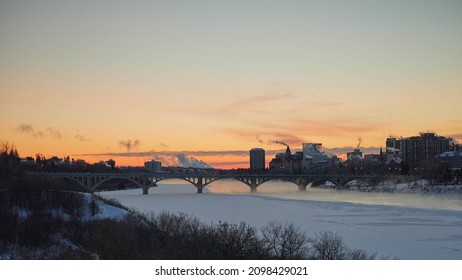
{"x": 284, "y": 241}
{"x": 10, "y": 163}
{"x": 354, "y": 254}
{"x": 328, "y": 246}
{"x": 237, "y": 241}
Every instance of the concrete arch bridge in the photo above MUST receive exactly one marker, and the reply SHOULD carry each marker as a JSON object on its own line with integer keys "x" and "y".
{"x": 91, "y": 181}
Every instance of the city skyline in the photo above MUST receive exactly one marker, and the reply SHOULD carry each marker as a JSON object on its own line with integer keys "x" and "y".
{"x": 212, "y": 79}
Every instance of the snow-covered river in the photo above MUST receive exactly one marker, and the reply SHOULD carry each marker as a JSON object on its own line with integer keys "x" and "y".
{"x": 406, "y": 226}
{"x": 286, "y": 190}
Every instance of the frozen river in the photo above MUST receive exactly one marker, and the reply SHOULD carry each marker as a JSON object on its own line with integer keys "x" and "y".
{"x": 406, "y": 226}
{"x": 285, "y": 190}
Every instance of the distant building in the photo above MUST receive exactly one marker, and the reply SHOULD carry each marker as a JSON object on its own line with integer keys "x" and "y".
{"x": 355, "y": 155}
{"x": 453, "y": 145}
{"x": 257, "y": 159}
{"x": 153, "y": 166}
{"x": 372, "y": 158}
{"x": 424, "y": 147}
{"x": 452, "y": 158}
{"x": 392, "y": 143}
{"x": 299, "y": 162}
{"x": 316, "y": 158}
{"x": 312, "y": 152}
{"x": 282, "y": 162}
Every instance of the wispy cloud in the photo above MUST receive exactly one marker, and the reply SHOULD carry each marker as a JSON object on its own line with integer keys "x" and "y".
{"x": 346, "y": 149}
{"x": 254, "y": 104}
{"x": 48, "y": 132}
{"x": 327, "y": 103}
{"x": 296, "y": 132}
{"x": 53, "y": 133}
{"x": 163, "y": 146}
{"x": 334, "y": 127}
{"x": 266, "y": 136}
{"x": 25, "y": 128}
{"x": 153, "y": 153}
{"x": 168, "y": 157}
{"x": 81, "y": 138}
{"x": 259, "y": 99}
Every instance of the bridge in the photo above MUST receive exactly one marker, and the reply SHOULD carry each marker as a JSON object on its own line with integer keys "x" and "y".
{"x": 91, "y": 181}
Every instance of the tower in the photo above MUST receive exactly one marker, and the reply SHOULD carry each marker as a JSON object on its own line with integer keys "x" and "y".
{"x": 257, "y": 159}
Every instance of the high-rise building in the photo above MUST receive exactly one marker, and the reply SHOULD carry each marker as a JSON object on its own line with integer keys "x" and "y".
{"x": 392, "y": 143}
{"x": 257, "y": 159}
{"x": 424, "y": 147}
{"x": 153, "y": 166}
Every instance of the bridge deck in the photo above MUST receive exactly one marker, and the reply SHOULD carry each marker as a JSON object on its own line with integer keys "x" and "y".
{"x": 91, "y": 181}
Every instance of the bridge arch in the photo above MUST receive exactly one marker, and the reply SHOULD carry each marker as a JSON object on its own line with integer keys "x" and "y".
{"x": 323, "y": 181}
{"x": 252, "y": 181}
{"x": 140, "y": 185}
{"x": 78, "y": 183}
{"x": 199, "y": 182}
{"x": 301, "y": 183}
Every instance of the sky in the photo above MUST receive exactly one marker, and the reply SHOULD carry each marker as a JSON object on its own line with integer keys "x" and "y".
{"x": 139, "y": 80}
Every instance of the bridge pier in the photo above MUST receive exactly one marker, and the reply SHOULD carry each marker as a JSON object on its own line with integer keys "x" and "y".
{"x": 301, "y": 183}
{"x": 145, "y": 190}
{"x": 199, "y": 183}
{"x": 253, "y": 181}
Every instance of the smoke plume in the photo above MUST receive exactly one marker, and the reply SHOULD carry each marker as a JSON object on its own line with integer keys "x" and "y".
{"x": 53, "y": 133}
{"x": 29, "y": 129}
{"x": 129, "y": 144}
{"x": 81, "y": 138}
{"x": 278, "y": 142}
{"x": 25, "y": 128}
{"x": 191, "y": 162}
{"x": 181, "y": 160}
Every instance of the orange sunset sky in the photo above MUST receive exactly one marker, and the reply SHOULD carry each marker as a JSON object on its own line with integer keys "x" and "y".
{"x": 136, "y": 80}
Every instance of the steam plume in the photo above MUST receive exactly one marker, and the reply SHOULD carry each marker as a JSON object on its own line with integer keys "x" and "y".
{"x": 29, "y": 129}
{"x": 25, "y": 128}
{"x": 129, "y": 144}
{"x": 279, "y": 142}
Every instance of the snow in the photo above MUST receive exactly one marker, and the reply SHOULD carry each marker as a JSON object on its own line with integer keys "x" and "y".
{"x": 419, "y": 186}
{"x": 103, "y": 210}
{"x": 94, "y": 208}
{"x": 405, "y": 233}
{"x": 451, "y": 154}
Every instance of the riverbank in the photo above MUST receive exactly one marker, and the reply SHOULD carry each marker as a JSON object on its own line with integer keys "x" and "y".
{"x": 420, "y": 186}
{"x": 405, "y": 233}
